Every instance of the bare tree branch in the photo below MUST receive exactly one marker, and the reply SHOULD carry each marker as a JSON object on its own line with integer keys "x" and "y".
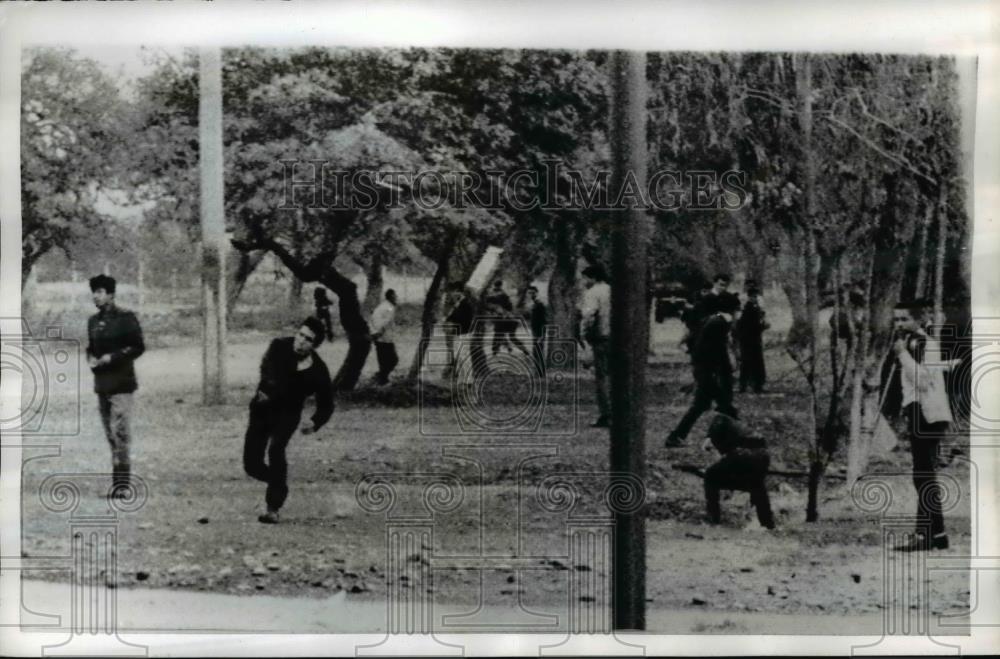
{"x": 882, "y": 152}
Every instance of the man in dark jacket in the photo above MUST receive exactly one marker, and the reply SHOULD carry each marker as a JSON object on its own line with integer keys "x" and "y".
{"x": 750, "y": 332}
{"x": 290, "y": 372}
{"x": 713, "y": 371}
{"x": 742, "y": 466}
{"x": 114, "y": 342}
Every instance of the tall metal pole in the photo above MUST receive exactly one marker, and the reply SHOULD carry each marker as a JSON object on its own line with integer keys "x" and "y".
{"x": 213, "y": 231}
{"x": 629, "y": 332}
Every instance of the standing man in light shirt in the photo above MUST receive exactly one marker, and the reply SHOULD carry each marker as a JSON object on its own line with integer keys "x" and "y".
{"x": 916, "y": 392}
{"x": 383, "y": 320}
{"x": 595, "y": 327}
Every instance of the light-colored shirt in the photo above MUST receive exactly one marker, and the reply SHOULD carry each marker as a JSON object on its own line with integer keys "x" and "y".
{"x": 923, "y": 382}
{"x": 595, "y": 309}
{"x": 383, "y": 320}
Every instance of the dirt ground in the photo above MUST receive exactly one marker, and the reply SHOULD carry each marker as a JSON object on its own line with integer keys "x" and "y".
{"x": 198, "y": 529}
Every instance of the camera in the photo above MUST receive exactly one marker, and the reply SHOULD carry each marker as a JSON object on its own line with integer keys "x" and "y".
{"x": 501, "y": 393}
{"x": 48, "y": 366}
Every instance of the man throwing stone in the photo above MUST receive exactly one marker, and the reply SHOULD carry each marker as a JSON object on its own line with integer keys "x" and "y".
{"x": 290, "y": 372}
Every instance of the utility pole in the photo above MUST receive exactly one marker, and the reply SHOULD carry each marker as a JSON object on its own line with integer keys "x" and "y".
{"x": 629, "y": 333}
{"x": 213, "y": 230}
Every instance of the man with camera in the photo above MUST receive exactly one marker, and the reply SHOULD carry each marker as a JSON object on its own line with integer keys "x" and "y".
{"x": 114, "y": 342}
{"x": 913, "y": 379}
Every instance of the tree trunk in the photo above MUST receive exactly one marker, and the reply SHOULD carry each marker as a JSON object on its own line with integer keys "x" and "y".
{"x": 243, "y": 266}
{"x": 941, "y": 209}
{"x": 816, "y": 469}
{"x": 298, "y": 246}
{"x": 428, "y": 318}
{"x": 376, "y": 283}
{"x": 791, "y": 271}
{"x": 921, "y": 243}
{"x": 294, "y": 293}
{"x": 885, "y": 281}
{"x": 28, "y": 261}
{"x": 562, "y": 283}
{"x": 322, "y": 269}
{"x": 520, "y": 260}
{"x": 810, "y": 262}
{"x": 355, "y": 327}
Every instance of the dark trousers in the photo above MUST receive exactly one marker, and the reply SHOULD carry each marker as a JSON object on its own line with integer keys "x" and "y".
{"x": 116, "y": 414}
{"x": 268, "y": 432}
{"x": 752, "y": 371}
{"x": 710, "y": 385}
{"x": 505, "y": 336}
{"x": 742, "y": 470}
{"x": 387, "y": 360}
{"x": 925, "y": 438}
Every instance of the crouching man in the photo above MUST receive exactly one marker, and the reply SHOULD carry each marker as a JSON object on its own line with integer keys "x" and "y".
{"x": 743, "y": 466}
{"x": 290, "y": 372}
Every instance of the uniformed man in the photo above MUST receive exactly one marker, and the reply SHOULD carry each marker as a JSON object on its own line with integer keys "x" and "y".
{"x": 114, "y": 342}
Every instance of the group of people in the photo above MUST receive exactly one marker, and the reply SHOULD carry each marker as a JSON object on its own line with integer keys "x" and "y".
{"x": 464, "y": 315}
{"x": 291, "y": 371}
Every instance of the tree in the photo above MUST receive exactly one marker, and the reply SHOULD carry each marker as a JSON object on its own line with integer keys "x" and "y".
{"x": 842, "y": 152}
{"x": 72, "y": 135}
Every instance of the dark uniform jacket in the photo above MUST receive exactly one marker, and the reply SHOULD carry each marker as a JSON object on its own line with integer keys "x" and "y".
{"x": 751, "y": 323}
{"x": 711, "y": 348}
{"x": 115, "y": 332}
{"x": 287, "y": 388}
